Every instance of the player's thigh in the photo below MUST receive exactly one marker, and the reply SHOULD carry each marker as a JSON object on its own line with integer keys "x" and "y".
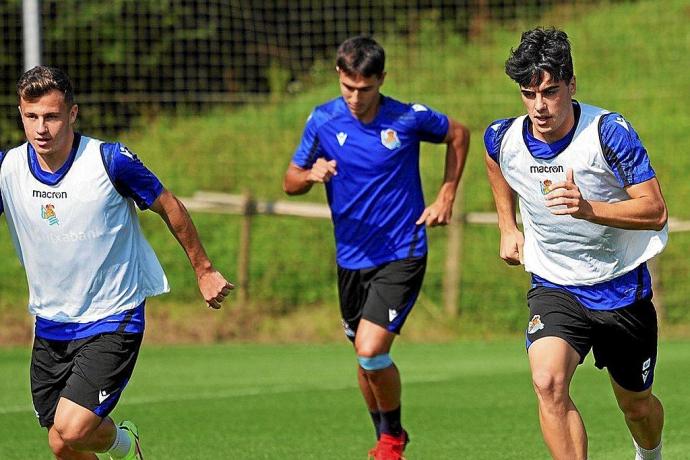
{"x": 555, "y": 313}
{"x": 102, "y": 370}
{"x": 51, "y": 367}
{"x": 393, "y": 291}
{"x": 626, "y": 344}
{"x": 352, "y": 293}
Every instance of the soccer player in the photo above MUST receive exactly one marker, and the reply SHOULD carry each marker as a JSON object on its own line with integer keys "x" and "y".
{"x": 364, "y": 147}
{"x": 593, "y": 214}
{"x": 69, "y": 204}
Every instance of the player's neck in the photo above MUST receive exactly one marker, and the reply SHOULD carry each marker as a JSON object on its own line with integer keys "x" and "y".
{"x": 53, "y": 161}
{"x": 370, "y": 114}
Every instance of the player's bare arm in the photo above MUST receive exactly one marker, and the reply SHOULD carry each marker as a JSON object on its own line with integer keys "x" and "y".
{"x": 441, "y": 210}
{"x": 512, "y": 239}
{"x": 645, "y": 210}
{"x": 299, "y": 180}
{"x": 213, "y": 286}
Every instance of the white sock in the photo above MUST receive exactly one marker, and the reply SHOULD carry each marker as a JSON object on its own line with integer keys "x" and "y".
{"x": 644, "y": 454}
{"x": 121, "y": 445}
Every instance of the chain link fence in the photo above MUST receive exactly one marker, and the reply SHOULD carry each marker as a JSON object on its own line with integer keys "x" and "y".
{"x": 135, "y": 58}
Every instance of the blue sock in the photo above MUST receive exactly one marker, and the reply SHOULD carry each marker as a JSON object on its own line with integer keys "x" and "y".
{"x": 390, "y": 422}
{"x": 376, "y": 418}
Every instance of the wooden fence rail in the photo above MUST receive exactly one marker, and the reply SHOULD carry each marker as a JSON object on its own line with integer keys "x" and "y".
{"x": 246, "y": 206}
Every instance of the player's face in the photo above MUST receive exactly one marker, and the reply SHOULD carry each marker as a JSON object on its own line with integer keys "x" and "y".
{"x": 550, "y": 108}
{"x": 361, "y": 94}
{"x": 48, "y": 124}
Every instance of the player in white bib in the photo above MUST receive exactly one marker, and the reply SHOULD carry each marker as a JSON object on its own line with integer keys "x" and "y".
{"x": 593, "y": 215}
{"x": 70, "y": 202}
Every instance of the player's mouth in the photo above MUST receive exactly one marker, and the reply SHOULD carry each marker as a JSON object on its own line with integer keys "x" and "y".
{"x": 42, "y": 143}
{"x": 542, "y": 120}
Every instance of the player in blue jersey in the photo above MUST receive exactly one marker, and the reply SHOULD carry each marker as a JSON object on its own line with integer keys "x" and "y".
{"x": 69, "y": 201}
{"x": 364, "y": 147}
{"x": 593, "y": 214}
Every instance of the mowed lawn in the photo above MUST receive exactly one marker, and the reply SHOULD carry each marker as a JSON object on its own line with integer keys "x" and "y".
{"x": 466, "y": 400}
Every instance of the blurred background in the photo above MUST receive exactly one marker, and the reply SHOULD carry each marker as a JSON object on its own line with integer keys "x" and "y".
{"x": 213, "y": 95}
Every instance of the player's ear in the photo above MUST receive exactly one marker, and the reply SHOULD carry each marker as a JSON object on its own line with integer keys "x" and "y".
{"x": 73, "y": 114}
{"x": 572, "y": 86}
{"x": 383, "y": 77}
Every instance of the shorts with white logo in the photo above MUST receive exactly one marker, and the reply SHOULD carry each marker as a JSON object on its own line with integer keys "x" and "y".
{"x": 623, "y": 340}
{"x": 91, "y": 372}
{"x": 383, "y": 295}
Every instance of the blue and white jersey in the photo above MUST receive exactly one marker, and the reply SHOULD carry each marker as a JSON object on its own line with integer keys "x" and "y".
{"x": 376, "y": 197}
{"x": 604, "y": 267}
{"x": 77, "y": 234}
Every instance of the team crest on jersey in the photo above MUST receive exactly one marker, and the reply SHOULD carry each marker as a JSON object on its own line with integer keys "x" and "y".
{"x": 48, "y": 214}
{"x": 546, "y": 186}
{"x": 535, "y": 324}
{"x": 390, "y": 139}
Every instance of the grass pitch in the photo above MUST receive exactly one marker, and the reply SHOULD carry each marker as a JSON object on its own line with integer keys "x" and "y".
{"x": 467, "y": 400}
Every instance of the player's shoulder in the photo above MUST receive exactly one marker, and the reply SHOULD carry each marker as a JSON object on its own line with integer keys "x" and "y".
{"x": 327, "y": 111}
{"x": 494, "y": 133}
{"x": 614, "y": 128}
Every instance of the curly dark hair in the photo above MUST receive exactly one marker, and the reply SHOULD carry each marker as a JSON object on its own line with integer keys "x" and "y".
{"x": 361, "y": 55}
{"x": 541, "y": 50}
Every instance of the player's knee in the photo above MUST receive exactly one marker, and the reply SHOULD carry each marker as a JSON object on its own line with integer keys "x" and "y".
{"x": 375, "y": 363}
{"x": 636, "y": 410}
{"x": 57, "y": 445}
{"x": 71, "y": 433}
{"x": 550, "y": 387}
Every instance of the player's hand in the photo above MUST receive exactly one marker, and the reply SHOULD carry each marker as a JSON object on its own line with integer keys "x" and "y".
{"x": 565, "y": 199}
{"x": 322, "y": 171}
{"x": 512, "y": 244}
{"x": 215, "y": 288}
{"x": 438, "y": 213}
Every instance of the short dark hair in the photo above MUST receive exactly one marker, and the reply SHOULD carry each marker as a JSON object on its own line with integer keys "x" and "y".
{"x": 541, "y": 50}
{"x": 41, "y": 80}
{"x": 361, "y": 56}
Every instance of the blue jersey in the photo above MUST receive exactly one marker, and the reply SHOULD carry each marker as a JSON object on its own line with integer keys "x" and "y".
{"x": 132, "y": 180}
{"x": 376, "y": 196}
{"x": 630, "y": 164}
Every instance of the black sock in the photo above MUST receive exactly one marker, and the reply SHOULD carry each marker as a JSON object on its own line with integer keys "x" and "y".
{"x": 390, "y": 422}
{"x": 376, "y": 418}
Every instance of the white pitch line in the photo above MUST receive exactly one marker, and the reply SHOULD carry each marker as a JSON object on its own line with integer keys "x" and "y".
{"x": 210, "y": 396}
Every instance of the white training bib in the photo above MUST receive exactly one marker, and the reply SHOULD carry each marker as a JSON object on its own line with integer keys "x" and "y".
{"x": 79, "y": 240}
{"x": 562, "y": 249}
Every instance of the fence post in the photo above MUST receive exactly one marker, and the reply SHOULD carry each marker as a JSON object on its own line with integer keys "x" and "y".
{"x": 243, "y": 256}
{"x": 453, "y": 272}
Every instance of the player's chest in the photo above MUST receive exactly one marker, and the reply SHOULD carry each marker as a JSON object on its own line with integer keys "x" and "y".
{"x": 379, "y": 147}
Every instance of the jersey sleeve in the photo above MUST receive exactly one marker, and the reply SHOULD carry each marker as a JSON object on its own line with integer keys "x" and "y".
{"x": 432, "y": 126}
{"x": 493, "y": 136}
{"x": 309, "y": 148}
{"x": 624, "y": 151}
{"x": 129, "y": 175}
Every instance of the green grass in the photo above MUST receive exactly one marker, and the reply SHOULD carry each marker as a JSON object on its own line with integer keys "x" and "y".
{"x": 631, "y": 64}
{"x": 467, "y": 400}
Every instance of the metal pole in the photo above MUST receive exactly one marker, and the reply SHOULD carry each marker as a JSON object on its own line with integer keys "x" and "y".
{"x": 31, "y": 13}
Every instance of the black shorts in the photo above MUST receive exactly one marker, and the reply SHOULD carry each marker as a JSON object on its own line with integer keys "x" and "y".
{"x": 91, "y": 372}
{"x": 383, "y": 295}
{"x": 623, "y": 340}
